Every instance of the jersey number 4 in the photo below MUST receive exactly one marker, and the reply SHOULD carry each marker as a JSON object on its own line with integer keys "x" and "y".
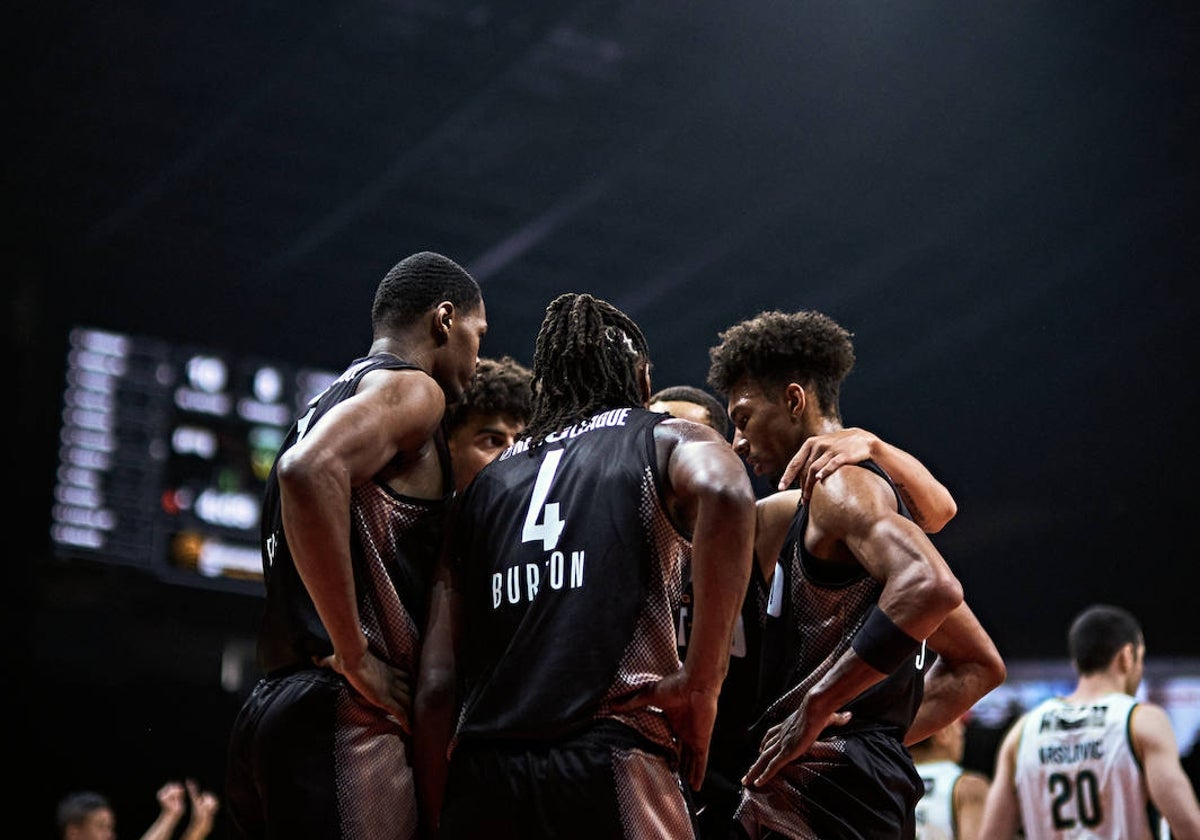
{"x": 542, "y": 521}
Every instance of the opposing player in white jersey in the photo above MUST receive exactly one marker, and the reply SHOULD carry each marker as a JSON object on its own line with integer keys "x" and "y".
{"x": 1090, "y": 765}
{"x": 952, "y": 805}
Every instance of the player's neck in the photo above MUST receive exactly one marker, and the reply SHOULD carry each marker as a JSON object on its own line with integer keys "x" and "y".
{"x": 408, "y": 350}
{"x": 1095, "y": 686}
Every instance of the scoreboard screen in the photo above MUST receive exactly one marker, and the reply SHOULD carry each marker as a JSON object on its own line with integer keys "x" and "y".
{"x": 164, "y": 451}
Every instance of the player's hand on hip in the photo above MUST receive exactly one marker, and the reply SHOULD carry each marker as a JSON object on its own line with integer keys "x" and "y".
{"x": 788, "y": 740}
{"x": 380, "y": 684}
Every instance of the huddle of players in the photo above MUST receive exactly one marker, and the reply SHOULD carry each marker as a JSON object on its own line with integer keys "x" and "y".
{"x": 570, "y": 638}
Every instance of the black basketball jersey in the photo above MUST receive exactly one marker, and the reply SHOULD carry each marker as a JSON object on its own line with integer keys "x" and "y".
{"x": 855, "y": 781}
{"x": 394, "y": 543}
{"x": 570, "y": 572}
{"x": 814, "y": 610}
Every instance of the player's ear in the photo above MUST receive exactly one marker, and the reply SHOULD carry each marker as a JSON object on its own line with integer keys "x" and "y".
{"x": 795, "y": 398}
{"x": 442, "y": 321}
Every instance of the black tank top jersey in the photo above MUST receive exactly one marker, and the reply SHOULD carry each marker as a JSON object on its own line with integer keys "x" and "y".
{"x": 394, "y": 544}
{"x": 824, "y": 605}
{"x": 571, "y": 572}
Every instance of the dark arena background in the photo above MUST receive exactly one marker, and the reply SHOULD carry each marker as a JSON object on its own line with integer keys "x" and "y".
{"x": 997, "y": 199}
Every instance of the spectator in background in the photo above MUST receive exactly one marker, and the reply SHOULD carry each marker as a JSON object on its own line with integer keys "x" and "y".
{"x": 88, "y": 815}
{"x": 489, "y": 417}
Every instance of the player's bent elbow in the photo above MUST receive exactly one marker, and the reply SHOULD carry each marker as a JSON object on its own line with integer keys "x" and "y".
{"x": 995, "y": 672}
{"x": 941, "y": 593}
{"x": 296, "y": 470}
{"x": 940, "y": 516}
{"x": 732, "y": 496}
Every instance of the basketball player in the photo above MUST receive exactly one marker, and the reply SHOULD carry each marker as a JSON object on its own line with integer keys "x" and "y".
{"x": 578, "y": 718}
{"x": 691, "y": 403}
{"x": 351, "y": 522}
{"x": 733, "y": 749}
{"x": 1087, "y": 765}
{"x": 952, "y": 806}
{"x": 856, "y": 591}
{"x": 489, "y": 417}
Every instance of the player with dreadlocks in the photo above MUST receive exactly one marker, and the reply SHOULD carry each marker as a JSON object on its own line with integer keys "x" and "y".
{"x": 578, "y": 719}
{"x": 589, "y": 355}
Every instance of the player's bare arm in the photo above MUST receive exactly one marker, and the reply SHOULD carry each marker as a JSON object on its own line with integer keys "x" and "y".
{"x": 853, "y": 518}
{"x": 968, "y": 666}
{"x": 393, "y": 412}
{"x": 1001, "y": 811}
{"x": 1169, "y": 787}
{"x": 926, "y": 498}
{"x": 708, "y": 487}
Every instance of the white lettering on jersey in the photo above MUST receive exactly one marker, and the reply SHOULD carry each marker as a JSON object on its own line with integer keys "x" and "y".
{"x": 522, "y": 583}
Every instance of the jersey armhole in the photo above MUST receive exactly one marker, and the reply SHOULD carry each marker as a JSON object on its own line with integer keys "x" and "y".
{"x": 660, "y": 481}
{"x": 1137, "y": 759}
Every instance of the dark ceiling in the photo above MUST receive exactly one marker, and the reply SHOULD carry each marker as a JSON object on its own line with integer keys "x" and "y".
{"x": 995, "y": 198}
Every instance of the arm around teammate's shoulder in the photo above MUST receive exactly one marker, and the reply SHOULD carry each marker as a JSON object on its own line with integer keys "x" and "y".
{"x": 928, "y": 500}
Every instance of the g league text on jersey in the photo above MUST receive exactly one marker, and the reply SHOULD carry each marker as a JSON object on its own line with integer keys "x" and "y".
{"x": 522, "y": 582}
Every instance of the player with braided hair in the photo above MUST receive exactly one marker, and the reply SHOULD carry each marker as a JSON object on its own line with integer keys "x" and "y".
{"x": 585, "y": 358}
{"x": 578, "y": 718}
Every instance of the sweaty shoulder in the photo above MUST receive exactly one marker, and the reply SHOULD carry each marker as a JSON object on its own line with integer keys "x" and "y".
{"x": 687, "y": 430}
{"x": 413, "y": 392}
{"x": 674, "y": 431}
{"x": 851, "y": 493}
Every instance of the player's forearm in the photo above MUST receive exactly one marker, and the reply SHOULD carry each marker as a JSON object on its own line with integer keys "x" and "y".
{"x": 722, "y": 554}
{"x": 315, "y": 505}
{"x": 433, "y": 728}
{"x": 999, "y": 814}
{"x": 436, "y": 702}
{"x": 950, "y": 692}
{"x": 1172, "y": 795}
{"x": 163, "y": 827}
{"x": 927, "y": 499}
{"x": 850, "y": 676}
{"x": 968, "y": 666}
